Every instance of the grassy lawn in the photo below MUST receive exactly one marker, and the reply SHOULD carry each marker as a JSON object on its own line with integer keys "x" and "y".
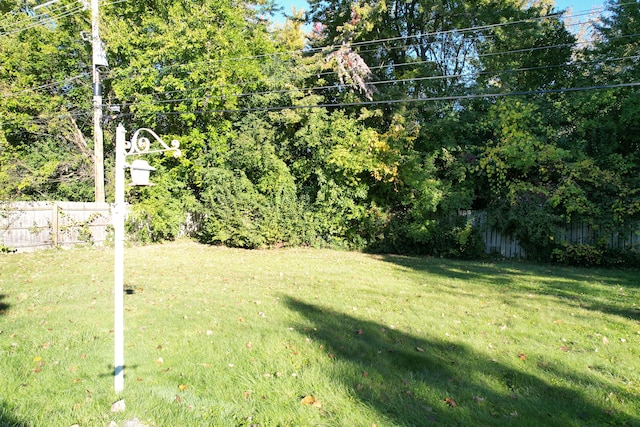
{"x": 305, "y": 337}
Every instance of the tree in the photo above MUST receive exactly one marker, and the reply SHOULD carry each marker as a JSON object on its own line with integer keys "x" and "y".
{"x": 45, "y": 104}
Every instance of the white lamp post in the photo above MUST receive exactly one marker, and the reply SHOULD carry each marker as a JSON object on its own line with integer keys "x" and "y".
{"x": 140, "y": 170}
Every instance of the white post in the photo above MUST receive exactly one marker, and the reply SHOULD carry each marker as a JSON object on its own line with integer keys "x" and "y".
{"x": 118, "y": 227}
{"x": 137, "y": 145}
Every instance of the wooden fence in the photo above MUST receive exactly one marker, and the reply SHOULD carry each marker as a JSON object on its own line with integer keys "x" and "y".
{"x": 27, "y": 226}
{"x": 574, "y": 233}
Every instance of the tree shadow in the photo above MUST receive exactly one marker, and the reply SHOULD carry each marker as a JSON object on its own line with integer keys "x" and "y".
{"x": 566, "y": 283}
{"x": 413, "y": 381}
{"x": 7, "y": 419}
{"x": 3, "y": 305}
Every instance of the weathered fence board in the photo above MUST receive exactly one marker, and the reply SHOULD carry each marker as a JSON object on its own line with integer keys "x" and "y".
{"x": 27, "y": 226}
{"x": 575, "y": 234}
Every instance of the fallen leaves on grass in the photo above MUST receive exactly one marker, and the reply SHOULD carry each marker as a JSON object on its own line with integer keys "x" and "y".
{"x": 420, "y": 349}
{"x": 182, "y": 387}
{"x": 310, "y": 400}
{"x": 449, "y": 401}
{"x": 522, "y": 356}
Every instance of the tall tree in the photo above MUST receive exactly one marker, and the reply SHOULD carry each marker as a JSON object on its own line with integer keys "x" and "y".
{"x": 45, "y": 103}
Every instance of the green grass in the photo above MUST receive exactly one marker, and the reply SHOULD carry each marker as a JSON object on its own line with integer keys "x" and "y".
{"x": 223, "y": 337}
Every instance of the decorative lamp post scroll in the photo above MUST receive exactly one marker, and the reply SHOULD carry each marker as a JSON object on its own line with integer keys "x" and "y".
{"x": 140, "y": 169}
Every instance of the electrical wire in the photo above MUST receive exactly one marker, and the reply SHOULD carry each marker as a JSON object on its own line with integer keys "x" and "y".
{"x": 329, "y": 48}
{"x": 38, "y": 20}
{"x": 30, "y": 19}
{"x": 210, "y": 96}
{"x": 372, "y": 42}
{"x": 46, "y": 85}
{"x": 395, "y": 101}
{"x": 450, "y": 98}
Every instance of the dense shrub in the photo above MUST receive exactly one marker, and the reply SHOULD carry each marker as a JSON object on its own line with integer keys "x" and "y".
{"x": 586, "y": 255}
{"x": 234, "y": 213}
{"x": 156, "y": 213}
{"x": 578, "y": 254}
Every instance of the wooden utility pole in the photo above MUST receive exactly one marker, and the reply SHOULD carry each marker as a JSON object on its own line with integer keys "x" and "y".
{"x": 99, "y": 60}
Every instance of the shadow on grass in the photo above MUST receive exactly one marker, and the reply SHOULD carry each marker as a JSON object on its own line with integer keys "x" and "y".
{"x": 407, "y": 380}
{"x": 565, "y": 283}
{"x": 3, "y": 305}
{"x": 7, "y": 419}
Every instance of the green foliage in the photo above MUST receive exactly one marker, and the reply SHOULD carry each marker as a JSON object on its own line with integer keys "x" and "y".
{"x": 216, "y": 75}
{"x": 44, "y": 93}
{"x": 231, "y": 210}
{"x": 158, "y": 212}
{"x": 235, "y": 213}
{"x": 5, "y": 249}
{"x": 579, "y": 254}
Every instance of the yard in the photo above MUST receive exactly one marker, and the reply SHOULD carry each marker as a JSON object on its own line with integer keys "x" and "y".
{"x": 311, "y": 337}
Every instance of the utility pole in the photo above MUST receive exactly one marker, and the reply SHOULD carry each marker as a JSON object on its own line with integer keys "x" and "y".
{"x": 99, "y": 59}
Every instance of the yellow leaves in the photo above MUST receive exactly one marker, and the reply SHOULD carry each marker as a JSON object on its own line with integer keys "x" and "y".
{"x": 182, "y": 387}
{"x": 39, "y": 364}
{"x": 307, "y": 400}
{"x": 310, "y": 400}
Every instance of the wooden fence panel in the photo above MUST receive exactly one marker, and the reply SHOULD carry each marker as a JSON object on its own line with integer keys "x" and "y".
{"x": 27, "y": 226}
{"x": 575, "y": 233}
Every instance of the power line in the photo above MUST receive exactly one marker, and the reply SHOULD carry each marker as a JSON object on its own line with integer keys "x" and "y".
{"x": 37, "y": 20}
{"x": 46, "y": 85}
{"x": 33, "y": 17}
{"x": 451, "y": 98}
{"x": 328, "y": 48}
{"x": 396, "y": 101}
{"x": 414, "y": 79}
{"x": 369, "y": 43}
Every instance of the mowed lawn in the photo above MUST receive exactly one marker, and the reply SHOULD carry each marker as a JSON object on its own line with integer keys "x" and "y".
{"x": 309, "y": 337}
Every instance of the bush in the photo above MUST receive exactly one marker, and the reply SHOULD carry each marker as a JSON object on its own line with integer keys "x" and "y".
{"x": 578, "y": 254}
{"x": 447, "y": 237}
{"x": 156, "y": 214}
{"x": 234, "y": 213}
